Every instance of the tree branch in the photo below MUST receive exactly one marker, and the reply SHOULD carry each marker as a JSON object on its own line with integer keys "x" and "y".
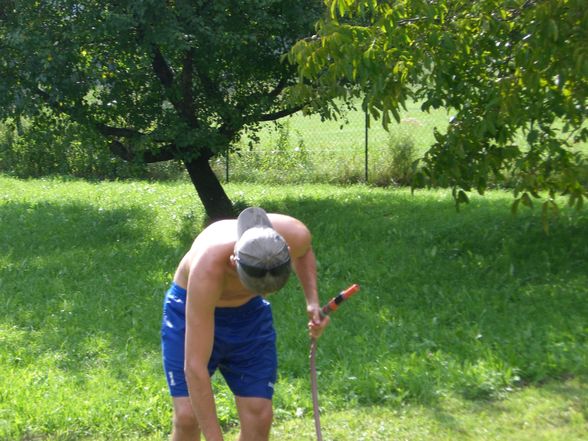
{"x": 123, "y": 152}
{"x": 120, "y": 132}
{"x": 279, "y": 87}
{"x": 272, "y": 94}
{"x": 186, "y": 79}
{"x": 183, "y": 106}
{"x": 209, "y": 88}
{"x": 126, "y": 152}
{"x": 162, "y": 69}
{"x": 124, "y": 132}
{"x": 279, "y": 114}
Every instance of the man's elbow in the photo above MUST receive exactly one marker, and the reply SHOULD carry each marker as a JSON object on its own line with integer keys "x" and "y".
{"x": 196, "y": 372}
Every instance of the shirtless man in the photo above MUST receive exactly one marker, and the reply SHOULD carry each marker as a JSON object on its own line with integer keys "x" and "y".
{"x": 216, "y": 316}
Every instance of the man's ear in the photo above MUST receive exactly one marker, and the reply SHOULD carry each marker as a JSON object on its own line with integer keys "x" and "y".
{"x": 233, "y": 261}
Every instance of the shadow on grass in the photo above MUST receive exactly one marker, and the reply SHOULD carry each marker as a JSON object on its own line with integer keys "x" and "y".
{"x": 80, "y": 285}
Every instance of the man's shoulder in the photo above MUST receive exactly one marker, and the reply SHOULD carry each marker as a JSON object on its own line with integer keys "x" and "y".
{"x": 220, "y": 231}
{"x": 283, "y": 220}
{"x": 218, "y": 239}
{"x": 226, "y": 230}
{"x": 296, "y": 234}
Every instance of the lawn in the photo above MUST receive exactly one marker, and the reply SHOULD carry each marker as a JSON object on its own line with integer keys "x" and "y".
{"x": 469, "y": 325}
{"x": 348, "y": 133}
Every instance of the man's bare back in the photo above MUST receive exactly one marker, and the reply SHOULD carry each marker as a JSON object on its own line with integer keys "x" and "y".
{"x": 215, "y": 245}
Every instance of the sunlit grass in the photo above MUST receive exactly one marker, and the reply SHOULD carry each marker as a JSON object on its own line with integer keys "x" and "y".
{"x": 460, "y": 314}
{"x": 553, "y": 412}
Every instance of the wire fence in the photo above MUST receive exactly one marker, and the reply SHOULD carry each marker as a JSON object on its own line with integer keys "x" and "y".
{"x": 353, "y": 149}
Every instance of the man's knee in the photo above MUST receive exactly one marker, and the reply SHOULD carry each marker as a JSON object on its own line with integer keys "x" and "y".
{"x": 264, "y": 415}
{"x": 256, "y": 415}
{"x": 185, "y": 419}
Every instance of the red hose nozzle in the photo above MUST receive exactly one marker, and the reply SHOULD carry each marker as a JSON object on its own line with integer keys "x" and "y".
{"x": 334, "y": 303}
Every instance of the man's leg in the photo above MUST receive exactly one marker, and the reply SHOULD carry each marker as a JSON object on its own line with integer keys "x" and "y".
{"x": 255, "y": 416}
{"x": 185, "y": 425}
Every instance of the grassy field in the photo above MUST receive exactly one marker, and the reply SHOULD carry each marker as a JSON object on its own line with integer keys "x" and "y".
{"x": 348, "y": 134}
{"x": 469, "y": 326}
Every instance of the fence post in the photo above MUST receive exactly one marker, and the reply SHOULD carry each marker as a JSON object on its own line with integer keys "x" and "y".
{"x": 367, "y": 123}
{"x": 227, "y": 165}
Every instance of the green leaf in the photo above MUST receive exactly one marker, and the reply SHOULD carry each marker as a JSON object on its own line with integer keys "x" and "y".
{"x": 552, "y": 29}
{"x": 532, "y": 136}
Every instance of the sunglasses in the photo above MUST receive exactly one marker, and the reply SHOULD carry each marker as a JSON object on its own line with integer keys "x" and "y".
{"x": 254, "y": 271}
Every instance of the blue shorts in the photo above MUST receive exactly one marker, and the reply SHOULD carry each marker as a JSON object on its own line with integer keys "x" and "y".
{"x": 244, "y": 346}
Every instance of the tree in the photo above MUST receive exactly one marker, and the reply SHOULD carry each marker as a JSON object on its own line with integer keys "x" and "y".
{"x": 162, "y": 80}
{"x": 505, "y": 68}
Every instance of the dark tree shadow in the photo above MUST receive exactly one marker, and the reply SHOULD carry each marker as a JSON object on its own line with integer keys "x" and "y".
{"x": 83, "y": 282}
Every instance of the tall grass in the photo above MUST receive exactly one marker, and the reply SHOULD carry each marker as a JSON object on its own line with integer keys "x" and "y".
{"x": 287, "y": 159}
{"x": 473, "y": 305}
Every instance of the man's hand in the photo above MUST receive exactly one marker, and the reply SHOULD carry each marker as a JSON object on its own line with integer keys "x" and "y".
{"x": 316, "y": 324}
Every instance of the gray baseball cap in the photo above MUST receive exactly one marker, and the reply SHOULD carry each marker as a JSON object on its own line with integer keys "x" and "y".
{"x": 262, "y": 256}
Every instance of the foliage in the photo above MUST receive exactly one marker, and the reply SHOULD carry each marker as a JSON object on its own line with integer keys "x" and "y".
{"x": 284, "y": 159}
{"x": 502, "y": 67}
{"x": 34, "y": 147}
{"x": 160, "y": 80}
{"x": 400, "y": 163}
{"x": 470, "y": 307}
{"x": 283, "y": 155}
{"x": 46, "y": 145}
{"x": 312, "y": 150}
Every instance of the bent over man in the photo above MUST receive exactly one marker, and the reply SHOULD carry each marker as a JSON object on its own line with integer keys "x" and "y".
{"x": 216, "y": 317}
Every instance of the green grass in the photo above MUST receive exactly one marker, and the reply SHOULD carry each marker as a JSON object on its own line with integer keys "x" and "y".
{"x": 554, "y": 412}
{"x": 348, "y": 133}
{"x": 469, "y": 325}
{"x": 305, "y": 149}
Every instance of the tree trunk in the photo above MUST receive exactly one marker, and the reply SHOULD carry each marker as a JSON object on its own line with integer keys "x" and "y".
{"x": 216, "y": 202}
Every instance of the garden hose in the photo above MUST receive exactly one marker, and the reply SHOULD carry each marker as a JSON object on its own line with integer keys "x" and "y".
{"x": 331, "y": 306}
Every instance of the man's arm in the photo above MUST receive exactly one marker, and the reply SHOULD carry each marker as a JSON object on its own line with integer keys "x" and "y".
{"x": 204, "y": 289}
{"x": 305, "y": 268}
{"x": 304, "y": 264}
